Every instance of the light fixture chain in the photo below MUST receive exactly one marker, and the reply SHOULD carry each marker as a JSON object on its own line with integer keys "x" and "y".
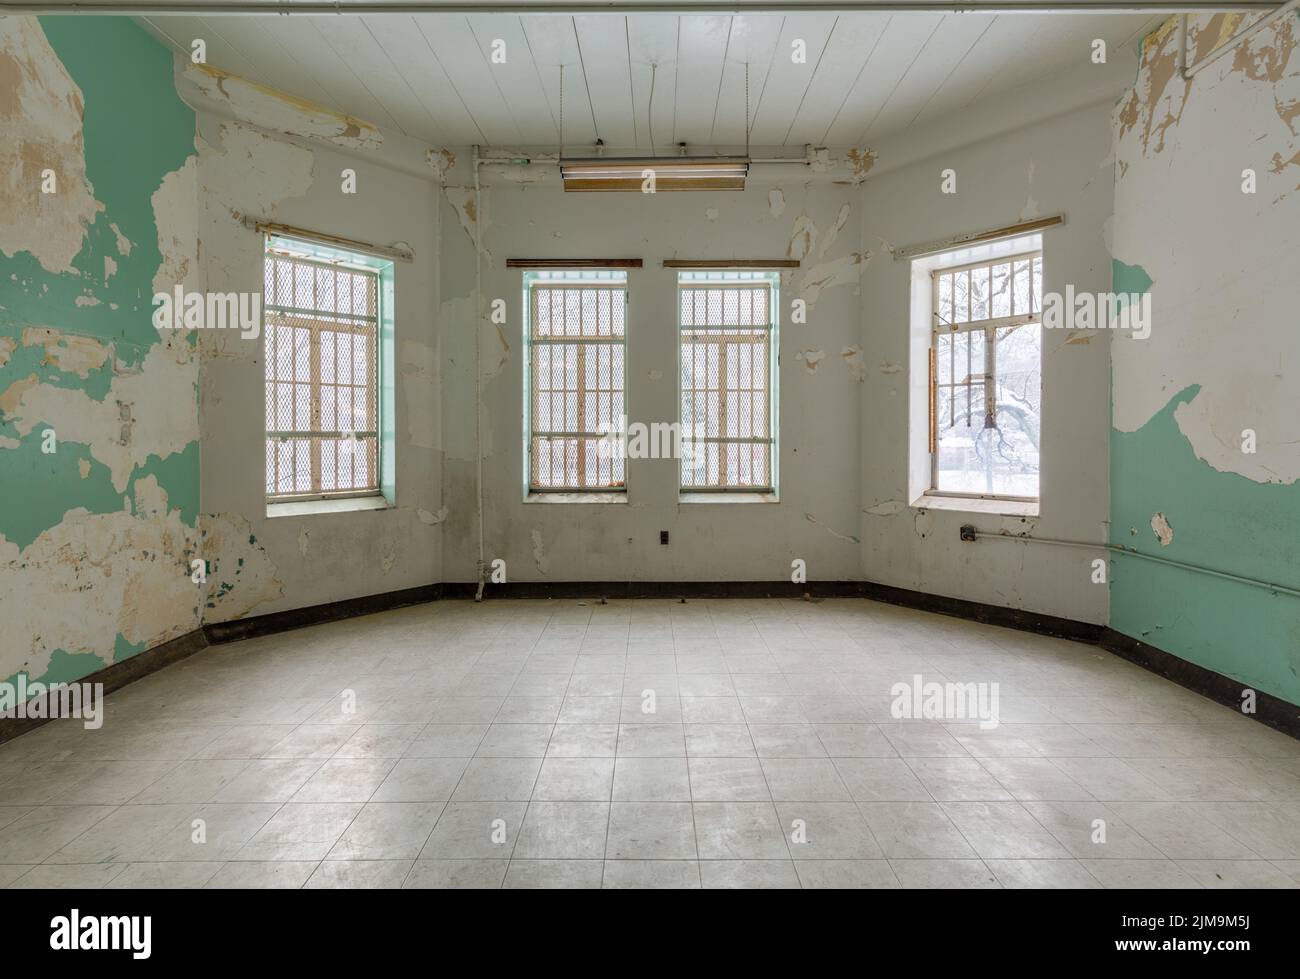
{"x": 650, "y": 112}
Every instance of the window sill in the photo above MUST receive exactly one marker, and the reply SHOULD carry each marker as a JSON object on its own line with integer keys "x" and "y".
{"x": 974, "y": 504}
{"x": 348, "y": 504}
{"x": 576, "y": 498}
{"x": 727, "y": 498}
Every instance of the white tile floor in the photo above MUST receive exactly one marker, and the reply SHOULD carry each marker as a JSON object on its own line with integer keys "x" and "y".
{"x": 506, "y": 744}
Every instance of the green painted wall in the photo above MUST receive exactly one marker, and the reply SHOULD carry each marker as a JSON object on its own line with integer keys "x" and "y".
{"x": 136, "y": 131}
{"x": 1127, "y": 279}
{"x": 1221, "y": 521}
{"x": 1215, "y": 255}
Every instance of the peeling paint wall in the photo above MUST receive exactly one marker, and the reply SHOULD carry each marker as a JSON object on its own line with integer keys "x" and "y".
{"x": 279, "y": 112}
{"x": 262, "y": 167}
{"x": 1206, "y": 419}
{"x": 816, "y": 518}
{"x": 96, "y": 536}
{"x": 1063, "y": 164}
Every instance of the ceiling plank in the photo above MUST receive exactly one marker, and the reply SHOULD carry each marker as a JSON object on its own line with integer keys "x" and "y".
{"x": 851, "y": 46}
{"x": 372, "y": 64}
{"x": 996, "y": 63}
{"x": 333, "y": 84}
{"x": 654, "y": 42}
{"x": 943, "y": 53}
{"x": 221, "y": 53}
{"x": 467, "y": 64}
{"x": 902, "y": 41}
{"x": 603, "y": 56}
{"x": 1056, "y": 44}
{"x": 164, "y": 31}
{"x": 518, "y": 77}
{"x": 788, "y": 81}
{"x": 268, "y": 61}
{"x": 753, "y": 41}
{"x": 866, "y": 74}
{"x": 403, "y": 42}
{"x": 700, "y": 55}
{"x": 1006, "y": 37}
{"x": 553, "y": 44}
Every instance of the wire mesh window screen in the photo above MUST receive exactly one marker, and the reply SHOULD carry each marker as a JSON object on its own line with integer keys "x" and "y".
{"x": 576, "y": 340}
{"x": 321, "y": 334}
{"x": 986, "y": 388}
{"x": 727, "y": 369}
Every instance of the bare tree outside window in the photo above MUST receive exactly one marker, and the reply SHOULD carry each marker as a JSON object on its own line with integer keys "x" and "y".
{"x": 986, "y": 378}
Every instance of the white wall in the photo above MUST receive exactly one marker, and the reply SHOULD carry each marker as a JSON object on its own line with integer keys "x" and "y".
{"x": 816, "y": 518}
{"x": 1058, "y": 166}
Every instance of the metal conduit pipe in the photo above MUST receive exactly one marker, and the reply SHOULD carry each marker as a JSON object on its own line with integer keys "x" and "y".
{"x": 970, "y": 533}
{"x": 478, "y": 378}
{"x": 142, "y": 8}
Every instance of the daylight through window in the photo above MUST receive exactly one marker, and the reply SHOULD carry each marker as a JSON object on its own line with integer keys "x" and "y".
{"x": 728, "y": 329}
{"x": 986, "y": 378}
{"x": 321, "y": 378}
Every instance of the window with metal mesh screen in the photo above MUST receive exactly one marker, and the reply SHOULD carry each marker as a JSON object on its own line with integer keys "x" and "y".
{"x": 577, "y": 330}
{"x": 986, "y": 378}
{"x": 321, "y": 334}
{"x": 728, "y": 367}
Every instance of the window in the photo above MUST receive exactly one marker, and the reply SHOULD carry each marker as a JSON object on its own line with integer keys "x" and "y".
{"x": 321, "y": 334}
{"x": 576, "y": 332}
{"x": 986, "y": 378}
{"x": 728, "y": 335}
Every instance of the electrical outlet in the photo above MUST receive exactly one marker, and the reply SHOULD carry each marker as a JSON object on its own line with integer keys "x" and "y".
{"x": 663, "y": 537}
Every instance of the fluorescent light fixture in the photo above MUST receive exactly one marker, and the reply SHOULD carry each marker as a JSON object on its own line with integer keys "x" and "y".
{"x": 670, "y": 173}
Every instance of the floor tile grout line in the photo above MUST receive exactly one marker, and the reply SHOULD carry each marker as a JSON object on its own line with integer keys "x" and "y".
{"x": 1173, "y": 794}
{"x": 523, "y": 820}
{"x": 450, "y": 795}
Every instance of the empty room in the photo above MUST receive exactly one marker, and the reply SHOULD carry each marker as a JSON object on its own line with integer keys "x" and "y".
{"x": 649, "y": 446}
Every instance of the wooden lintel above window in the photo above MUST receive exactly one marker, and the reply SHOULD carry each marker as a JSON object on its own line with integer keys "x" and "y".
{"x": 731, "y": 263}
{"x": 573, "y": 263}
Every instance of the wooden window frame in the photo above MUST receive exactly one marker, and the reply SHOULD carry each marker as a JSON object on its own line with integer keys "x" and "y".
{"x": 988, "y": 379}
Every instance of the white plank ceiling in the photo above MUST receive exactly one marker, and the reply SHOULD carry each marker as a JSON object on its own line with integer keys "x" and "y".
{"x": 667, "y": 77}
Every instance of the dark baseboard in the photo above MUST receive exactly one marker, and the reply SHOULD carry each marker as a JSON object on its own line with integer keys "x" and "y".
{"x": 1049, "y": 625}
{"x": 1270, "y": 710}
{"x": 653, "y": 589}
{"x": 298, "y": 618}
{"x": 1011, "y": 618}
{"x": 116, "y": 676}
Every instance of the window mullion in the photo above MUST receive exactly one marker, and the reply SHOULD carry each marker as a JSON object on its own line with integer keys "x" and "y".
{"x": 314, "y": 374}
{"x": 531, "y": 366}
{"x": 990, "y": 377}
{"x": 956, "y": 385}
{"x": 723, "y": 471}
{"x": 580, "y": 383}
